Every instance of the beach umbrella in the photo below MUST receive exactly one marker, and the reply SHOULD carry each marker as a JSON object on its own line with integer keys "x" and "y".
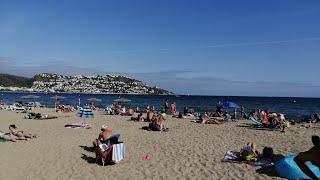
{"x": 85, "y": 112}
{"x": 230, "y": 105}
{"x": 56, "y": 98}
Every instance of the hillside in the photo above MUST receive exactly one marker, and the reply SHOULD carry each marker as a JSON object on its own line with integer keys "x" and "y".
{"x": 48, "y": 82}
{"x": 7, "y": 80}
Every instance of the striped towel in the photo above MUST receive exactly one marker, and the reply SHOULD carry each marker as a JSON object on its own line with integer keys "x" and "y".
{"x": 118, "y": 152}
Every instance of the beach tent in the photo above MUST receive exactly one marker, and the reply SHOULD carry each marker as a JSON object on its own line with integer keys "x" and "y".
{"x": 230, "y": 105}
{"x": 85, "y": 112}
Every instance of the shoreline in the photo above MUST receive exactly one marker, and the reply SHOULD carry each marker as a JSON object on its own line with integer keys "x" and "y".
{"x": 183, "y": 95}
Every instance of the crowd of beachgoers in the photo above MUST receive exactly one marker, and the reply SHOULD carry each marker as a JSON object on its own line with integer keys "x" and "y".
{"x": 225, "y": 112}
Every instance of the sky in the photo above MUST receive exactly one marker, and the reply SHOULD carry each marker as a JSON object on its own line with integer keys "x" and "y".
{"x": 231, "y": 47}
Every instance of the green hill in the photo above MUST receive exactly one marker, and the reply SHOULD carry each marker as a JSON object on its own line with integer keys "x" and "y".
{"x": 16, "y": 81}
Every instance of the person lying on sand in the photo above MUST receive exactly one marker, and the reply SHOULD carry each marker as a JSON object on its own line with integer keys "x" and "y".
{"x": 312, "y": 155}
{"x": 206, "y": 119}
{"x": 249, "y": 152}
{"x": 10, "y": 137}
{"x": 33, "y": 115}
{"x": 129, "y": 112}
{"x": 137, "y": 117}
{"x": 19, "y": 133}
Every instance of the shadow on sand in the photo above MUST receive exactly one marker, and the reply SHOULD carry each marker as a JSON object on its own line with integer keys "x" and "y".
{"x": 270, "y": 171}
{"x": 89, "y": 159}
{"x": 249, "y": 126}
{"x": 86, "y": 148}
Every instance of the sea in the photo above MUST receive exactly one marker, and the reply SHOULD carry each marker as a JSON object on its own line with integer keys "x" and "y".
{"x": 292, "y": 107}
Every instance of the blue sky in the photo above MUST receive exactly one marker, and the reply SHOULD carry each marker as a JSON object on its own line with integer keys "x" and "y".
{"x": 246, "y": 47}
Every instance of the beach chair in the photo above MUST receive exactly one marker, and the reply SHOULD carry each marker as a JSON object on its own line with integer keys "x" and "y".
{"x": 255, "y": 122}
{"x": 112, "y": 151}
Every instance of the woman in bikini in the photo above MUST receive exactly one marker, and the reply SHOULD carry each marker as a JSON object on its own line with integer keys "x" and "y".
{"x": 19, "y": 133}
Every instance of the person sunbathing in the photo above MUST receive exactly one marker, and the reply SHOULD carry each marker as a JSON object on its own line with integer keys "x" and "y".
{"x": 137, "y": 117}
{"x": 129, "y": 112}
{"x": 150, "y": 117}
{"x": 312, "y": 155}
{"x": 204, "y": 119}
{"x": 249, "y": 152}
{"x": 160, "y": 121}
{"x": 19, "y": 133}
{"x": 157, "y": 124}
{"x": 10, "y": 137}
{"x": 103, "y": 136}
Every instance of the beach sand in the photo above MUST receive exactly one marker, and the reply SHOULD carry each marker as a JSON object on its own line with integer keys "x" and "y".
{"x": 187, "y": 151}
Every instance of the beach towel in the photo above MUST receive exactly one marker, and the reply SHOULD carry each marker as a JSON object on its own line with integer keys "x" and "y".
{"x": 234, "y": 157}
{"x": 2, "y": 141}
{"x": 118, "y": 152}
{"x": 254, "y": 121}
{"x": 78, "y": 125}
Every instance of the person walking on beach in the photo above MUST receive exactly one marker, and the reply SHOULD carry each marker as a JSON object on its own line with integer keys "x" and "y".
{"x": 166, "y": 106}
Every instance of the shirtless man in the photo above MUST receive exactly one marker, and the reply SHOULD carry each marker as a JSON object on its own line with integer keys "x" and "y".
{"x": 149, "y": 116}
{"x": 103, "y": 136}
{"x": 312, "y": 155}
{"x": 160, "y": 121}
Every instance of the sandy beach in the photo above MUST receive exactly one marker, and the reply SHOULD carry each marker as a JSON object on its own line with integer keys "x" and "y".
{"x": 187, "y": 151}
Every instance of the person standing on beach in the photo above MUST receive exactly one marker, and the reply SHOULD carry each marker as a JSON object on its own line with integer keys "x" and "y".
{"x": 219, "y": 107}
{"x": 242, "y": 113}
{"x": 173, "y": 108}
{"x": 166, "y": 106}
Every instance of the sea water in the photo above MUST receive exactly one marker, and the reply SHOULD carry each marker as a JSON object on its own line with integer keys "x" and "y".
{"x": 292, "y": 107}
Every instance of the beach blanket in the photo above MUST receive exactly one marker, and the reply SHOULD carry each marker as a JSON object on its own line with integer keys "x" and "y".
{"x": 118, "y": 152}
{"x": 254, "y": 121}
{"x": 78, "y": 125}
{"x": 234, "y": 157}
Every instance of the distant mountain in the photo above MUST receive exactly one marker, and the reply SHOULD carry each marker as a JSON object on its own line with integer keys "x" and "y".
{"x": 7, "y": 80}
{"x": 48, "y": 82}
